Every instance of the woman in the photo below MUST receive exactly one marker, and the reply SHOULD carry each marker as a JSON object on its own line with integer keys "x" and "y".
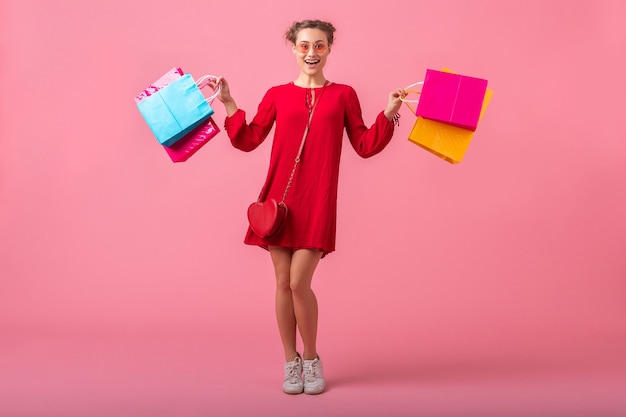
{"x": 309, "y": 231}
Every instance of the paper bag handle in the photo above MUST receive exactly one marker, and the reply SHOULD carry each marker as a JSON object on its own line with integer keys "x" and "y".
{"x": 203, "y": 81}
{"x": 408, "y": 89}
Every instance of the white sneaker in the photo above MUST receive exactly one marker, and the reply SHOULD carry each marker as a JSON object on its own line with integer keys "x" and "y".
{"x": 313, "y": 376}
{"x": 293, "y": 377}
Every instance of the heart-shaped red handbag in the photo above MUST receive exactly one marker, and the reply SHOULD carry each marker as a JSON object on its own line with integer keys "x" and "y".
{"x": 266, "y": 218}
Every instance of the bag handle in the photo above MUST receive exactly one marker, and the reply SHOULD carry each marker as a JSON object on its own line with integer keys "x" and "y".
{"x": 408, "y": 89}
{"x": 204, "y": 80}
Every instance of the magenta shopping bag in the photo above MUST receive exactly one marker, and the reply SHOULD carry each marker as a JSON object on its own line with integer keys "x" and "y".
{"x": 184, "y": 148}
{"x": 452, "y": 98}
{"x": 190, "y": 144}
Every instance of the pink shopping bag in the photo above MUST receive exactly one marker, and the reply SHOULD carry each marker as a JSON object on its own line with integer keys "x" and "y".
{"x": 452, "y": 98}
{"x": 190, "y": 144}
{"x": 165, "y": 79}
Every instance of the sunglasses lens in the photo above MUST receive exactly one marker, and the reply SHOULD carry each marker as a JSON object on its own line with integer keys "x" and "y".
{"x": 304, "y": 48}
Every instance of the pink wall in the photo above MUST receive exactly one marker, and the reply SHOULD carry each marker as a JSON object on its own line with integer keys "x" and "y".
{"x": 520, "y": 245}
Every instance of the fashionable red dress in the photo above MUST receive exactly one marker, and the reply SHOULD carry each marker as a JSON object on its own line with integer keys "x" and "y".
{"x": 312, "y": 198}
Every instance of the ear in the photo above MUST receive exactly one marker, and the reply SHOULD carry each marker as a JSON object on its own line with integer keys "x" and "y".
{"x": 293, "y": 48}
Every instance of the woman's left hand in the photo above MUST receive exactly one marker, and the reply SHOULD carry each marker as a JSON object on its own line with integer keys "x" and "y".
{"x": 394, "y": 103}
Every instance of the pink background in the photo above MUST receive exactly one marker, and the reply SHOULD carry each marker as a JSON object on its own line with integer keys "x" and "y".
{"x": 494, "y": 287}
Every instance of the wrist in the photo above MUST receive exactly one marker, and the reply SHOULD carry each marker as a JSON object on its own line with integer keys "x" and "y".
{"x": 230, "y": 107}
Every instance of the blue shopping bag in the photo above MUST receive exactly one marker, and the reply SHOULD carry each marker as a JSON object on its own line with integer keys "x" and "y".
{"x": 175, "y": 110}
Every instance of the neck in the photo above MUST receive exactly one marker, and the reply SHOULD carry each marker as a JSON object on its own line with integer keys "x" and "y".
{"x": 308, "y": 81}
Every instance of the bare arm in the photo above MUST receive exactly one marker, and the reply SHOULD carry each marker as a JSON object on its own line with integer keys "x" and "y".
{"x": 224, "y": 95}
{"x": 393, "y": 103}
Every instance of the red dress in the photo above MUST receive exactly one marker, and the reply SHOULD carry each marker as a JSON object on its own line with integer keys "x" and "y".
{"x": 312, "y": 198}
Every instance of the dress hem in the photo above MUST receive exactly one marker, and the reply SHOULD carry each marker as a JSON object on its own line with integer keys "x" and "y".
{"x": 294, "y": 248}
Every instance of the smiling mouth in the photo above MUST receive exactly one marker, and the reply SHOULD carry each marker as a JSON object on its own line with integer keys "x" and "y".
{"x": 312, "y": 61}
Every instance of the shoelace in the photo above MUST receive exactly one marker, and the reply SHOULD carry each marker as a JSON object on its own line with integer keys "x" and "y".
{"x": 292, "y": 372}
{"x": 311, "y": 372}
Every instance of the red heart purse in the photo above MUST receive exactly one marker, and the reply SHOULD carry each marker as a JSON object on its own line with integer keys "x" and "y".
{"x": 267, "y": 218}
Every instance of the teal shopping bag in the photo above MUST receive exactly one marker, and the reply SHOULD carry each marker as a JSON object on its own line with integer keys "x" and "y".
{"x": 175, "y": 110}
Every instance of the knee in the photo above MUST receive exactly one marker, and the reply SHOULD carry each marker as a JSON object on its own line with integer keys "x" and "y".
{"x": 298, "y": 286}
{"x": 282, "y": 283}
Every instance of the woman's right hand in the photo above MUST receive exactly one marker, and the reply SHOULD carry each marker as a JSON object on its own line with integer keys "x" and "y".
{"x": 224, "y": 94}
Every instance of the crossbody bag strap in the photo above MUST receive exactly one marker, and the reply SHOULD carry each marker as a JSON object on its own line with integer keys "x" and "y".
{"x": 306, "y": 132}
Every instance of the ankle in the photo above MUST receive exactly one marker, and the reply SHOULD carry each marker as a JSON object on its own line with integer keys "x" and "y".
{"x": 309, "y": 356}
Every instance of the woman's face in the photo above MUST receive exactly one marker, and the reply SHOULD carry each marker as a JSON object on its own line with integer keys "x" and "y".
{"x": 311, "y": 50}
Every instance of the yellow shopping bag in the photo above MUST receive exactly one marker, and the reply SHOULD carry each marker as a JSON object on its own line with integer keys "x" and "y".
{"x": 441, "y": 139}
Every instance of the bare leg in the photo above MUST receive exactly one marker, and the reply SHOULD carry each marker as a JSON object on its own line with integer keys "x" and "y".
{"x": 296, "y": 304}
{"x": 303, "y": 264}
{"x": 285, "y": 316}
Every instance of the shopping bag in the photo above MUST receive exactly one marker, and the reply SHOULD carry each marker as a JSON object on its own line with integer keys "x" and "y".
{"x": 452, "y": 98}
{"x": 165, "y": 79}
{"x": 448, "y": 142}
{"x": 185, "y": 147}
{"x": 175, "y": 110}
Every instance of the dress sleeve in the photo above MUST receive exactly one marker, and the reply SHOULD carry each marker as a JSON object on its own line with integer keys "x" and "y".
{"x": 248, "y": 137}
{"x": 366, "y": 141}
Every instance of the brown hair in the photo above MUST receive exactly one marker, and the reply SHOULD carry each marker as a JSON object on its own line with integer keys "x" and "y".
{"x": 326, "y": 27}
